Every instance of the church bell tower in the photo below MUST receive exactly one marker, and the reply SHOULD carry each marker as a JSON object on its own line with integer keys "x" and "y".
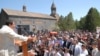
{"x": 53, "y": 10}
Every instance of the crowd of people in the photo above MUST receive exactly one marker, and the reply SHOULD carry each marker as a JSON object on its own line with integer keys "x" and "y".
{"x": 65, "y": 43}
{"x": 46, "y": 43}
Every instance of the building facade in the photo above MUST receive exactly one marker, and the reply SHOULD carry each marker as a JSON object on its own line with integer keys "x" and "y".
{"x": 30, "y": 21}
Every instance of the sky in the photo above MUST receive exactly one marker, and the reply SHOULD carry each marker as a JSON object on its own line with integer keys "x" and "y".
{"x": 79, "y": 8}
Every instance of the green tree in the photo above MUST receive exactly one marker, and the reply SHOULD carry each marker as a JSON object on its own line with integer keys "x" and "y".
{"x": 76, "y": 24}
{"x": 82, "y": 23}
{"x": 67, "y": 22}
{"x": 70, "y": 23}
{"x": 61, "y": 23}
{"x": 92, "y": 20}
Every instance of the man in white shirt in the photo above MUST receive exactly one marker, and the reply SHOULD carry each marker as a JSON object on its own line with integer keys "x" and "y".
{"x": 84, "y": 51}
{"x": 57, "y": 53}
{"x": 7, "y": 36}
{"x": 98, "y": 53}
{"x": 77, "y": 48}
{"x": 95, "y": 49}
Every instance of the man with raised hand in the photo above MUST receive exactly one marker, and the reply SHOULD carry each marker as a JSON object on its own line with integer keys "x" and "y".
{"x": 7, "y": 37}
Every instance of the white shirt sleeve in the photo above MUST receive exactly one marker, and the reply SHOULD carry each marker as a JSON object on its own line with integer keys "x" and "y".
{"x": 11, "y": 33}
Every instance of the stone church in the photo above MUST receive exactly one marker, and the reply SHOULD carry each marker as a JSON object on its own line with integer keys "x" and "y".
{"x": 30, "y": 21}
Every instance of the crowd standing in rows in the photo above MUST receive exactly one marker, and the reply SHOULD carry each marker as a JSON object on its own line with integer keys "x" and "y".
{"x": 65, "y": 43}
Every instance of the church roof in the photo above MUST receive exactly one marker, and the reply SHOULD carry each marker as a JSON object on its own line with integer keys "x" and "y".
{"x": 27, "y": 14}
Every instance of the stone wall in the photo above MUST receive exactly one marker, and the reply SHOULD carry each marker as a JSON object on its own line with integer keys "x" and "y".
{"x": 37, "y": 23}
